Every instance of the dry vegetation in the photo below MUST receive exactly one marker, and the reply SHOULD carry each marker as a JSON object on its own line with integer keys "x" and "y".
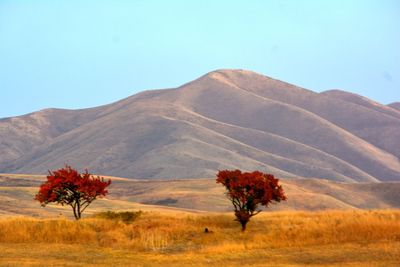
{"x": 18, "y": 190}
{"x": 351, "y": 238}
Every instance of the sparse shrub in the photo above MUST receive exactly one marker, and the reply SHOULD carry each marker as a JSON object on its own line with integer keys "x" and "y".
{"x": 125, "y": 216}
{"x": 248, "y": 190}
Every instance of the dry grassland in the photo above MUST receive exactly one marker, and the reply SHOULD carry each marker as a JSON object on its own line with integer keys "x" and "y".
{"x": 347, "y": 238}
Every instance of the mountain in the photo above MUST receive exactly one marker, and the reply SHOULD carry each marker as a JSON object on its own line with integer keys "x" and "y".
{"x": 224, "y": 119}
{"x": 395, "y": 105}
{"x": 22, "y": 134}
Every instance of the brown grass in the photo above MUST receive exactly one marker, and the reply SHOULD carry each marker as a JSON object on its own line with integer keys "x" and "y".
{"x": 350, "y": 238}
{"x": 18, "y": 190}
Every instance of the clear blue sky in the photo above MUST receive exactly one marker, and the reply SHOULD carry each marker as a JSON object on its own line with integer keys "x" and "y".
{"x": 76, "y": 54}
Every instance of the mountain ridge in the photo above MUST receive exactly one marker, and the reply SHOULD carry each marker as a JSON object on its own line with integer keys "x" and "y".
{"x": 395, "y": 105}
{"x": 224, "y": 119}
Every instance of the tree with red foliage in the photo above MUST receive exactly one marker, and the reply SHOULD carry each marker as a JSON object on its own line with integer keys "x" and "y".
{"x": 247, "y": 190}
{"x": 68, "y": 187}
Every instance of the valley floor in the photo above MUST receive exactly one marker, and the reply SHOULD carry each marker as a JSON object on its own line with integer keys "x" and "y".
{"x": 344, "y": 238}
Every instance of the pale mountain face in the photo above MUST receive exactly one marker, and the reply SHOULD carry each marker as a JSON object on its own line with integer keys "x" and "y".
{"x": 395, "y": 105}
{"x": 226, "y": 119}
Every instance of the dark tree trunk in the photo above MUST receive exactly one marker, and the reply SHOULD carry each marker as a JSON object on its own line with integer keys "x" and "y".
{"x": 77, "y": 212}
{"x": 243, "y": 217}
{"x": 244, "y": 223}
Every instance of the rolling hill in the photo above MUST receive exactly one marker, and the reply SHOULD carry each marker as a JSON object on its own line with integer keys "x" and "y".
{"x": 224, "y": 119}
{"x": 197, "y": 195}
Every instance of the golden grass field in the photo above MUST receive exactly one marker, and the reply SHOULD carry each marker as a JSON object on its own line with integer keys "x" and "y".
{"x": 17, "y": 192}
{"x": 324, "y": 238}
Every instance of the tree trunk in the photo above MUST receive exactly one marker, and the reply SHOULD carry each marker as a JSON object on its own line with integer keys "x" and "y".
{"x": 244, "y": 223}
{"x": 243, "y": 217}
{"x": 77, "y": 212}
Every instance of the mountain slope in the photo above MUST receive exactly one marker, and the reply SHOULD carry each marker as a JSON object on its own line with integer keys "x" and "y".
{"x": 217, "y": 97}
{"x": 376, "y": 123}
{"x": 369, "y": 120}
{"x": 20, "y": 135}
{"x": 225, "y": 119}
{"x": 395, "y": 105}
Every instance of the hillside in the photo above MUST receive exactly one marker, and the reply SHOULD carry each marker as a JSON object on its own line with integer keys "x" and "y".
{"x": 197, "y": 195}
{"x": 395, "y": 105}
{"x": 224, "y": 119}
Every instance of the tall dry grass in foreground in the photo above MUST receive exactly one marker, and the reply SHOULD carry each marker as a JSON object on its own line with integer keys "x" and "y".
{"x": 158, "y": 232}
{"x": 182, "y": 235}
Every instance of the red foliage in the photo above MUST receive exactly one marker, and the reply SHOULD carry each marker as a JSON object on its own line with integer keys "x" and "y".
{"x": 67, "y": 186}
{"x": 248, "y": 190}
